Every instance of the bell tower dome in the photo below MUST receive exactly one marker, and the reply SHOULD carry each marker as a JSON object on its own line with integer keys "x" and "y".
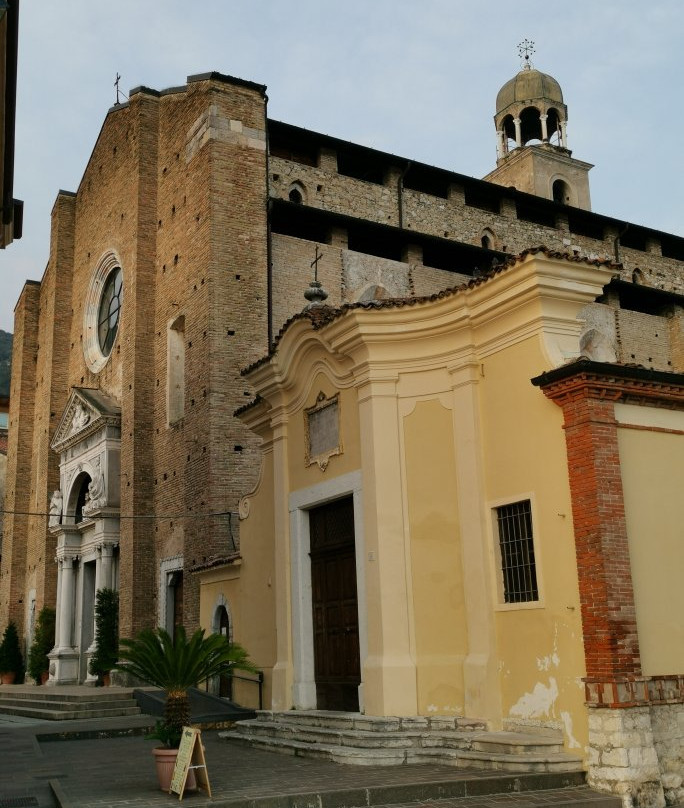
{"x": 532, "y": 147}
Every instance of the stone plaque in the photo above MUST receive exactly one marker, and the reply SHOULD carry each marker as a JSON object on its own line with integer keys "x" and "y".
{"x": 322, "y": 430}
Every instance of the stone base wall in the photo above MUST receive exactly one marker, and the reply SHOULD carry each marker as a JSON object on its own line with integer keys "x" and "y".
{"x": 667, "y": 723}
{"x": 637, "y": 752}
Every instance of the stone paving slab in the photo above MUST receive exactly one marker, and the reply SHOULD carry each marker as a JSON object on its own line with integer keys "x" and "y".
{"x": 119, "y": 771}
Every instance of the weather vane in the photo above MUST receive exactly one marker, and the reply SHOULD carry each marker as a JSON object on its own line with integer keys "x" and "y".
{"x": 525, "y": 50}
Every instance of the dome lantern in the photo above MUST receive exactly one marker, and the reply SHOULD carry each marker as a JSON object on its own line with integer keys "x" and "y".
{"x": 530, "y": 107}
{"x": 531, "y": 140}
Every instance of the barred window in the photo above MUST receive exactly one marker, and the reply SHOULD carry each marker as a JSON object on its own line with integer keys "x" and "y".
{"x": 518, "y": 567}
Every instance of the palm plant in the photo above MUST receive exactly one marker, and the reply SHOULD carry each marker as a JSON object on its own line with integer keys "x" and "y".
{"x": 175, "y": 665}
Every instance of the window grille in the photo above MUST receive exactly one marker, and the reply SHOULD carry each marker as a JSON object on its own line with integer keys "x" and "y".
{"x": 517, "y": 552}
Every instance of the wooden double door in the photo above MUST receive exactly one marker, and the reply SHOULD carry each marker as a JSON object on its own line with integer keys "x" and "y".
{"x": 335, "y": 606}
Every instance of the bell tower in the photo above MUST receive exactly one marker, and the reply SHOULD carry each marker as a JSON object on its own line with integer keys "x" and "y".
{"x": 532, "y": 145}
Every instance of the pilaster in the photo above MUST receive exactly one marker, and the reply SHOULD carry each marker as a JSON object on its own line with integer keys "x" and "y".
{"x": 389, "y": 670}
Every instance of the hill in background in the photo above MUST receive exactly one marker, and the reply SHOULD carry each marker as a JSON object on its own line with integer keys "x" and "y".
{"x": 5, "y": 362}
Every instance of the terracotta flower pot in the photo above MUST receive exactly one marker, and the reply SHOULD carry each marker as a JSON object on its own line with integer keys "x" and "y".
{"x": 165, "y": 761}
{"x": 44, "y": 676}
{"x": 7, "y": 677}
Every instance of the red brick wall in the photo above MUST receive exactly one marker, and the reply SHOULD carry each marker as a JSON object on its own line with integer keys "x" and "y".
{"x": 607, "y": 600}
{"x": 587, "y": 392}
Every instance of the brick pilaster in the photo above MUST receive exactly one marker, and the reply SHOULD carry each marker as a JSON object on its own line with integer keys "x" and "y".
{"x": 611, "y": 644}
{"x": 587, "y": 392}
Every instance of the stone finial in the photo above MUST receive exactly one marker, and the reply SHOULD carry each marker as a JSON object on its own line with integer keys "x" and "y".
{"x": 315, "y": 294}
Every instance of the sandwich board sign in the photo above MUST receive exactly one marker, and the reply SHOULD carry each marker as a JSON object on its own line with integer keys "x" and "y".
{"x": 190, "y": 757}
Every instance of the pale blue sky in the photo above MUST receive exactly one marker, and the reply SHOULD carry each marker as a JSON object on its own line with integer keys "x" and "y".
{"x": 414, "y": 77}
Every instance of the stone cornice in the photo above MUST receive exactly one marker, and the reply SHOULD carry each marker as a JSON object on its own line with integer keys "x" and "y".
{"x": 626, "y": 383}
{"x": 87, "y": 412}
{"x": 91, "y": 429}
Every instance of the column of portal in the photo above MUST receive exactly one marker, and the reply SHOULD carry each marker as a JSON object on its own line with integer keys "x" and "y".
{"x": 66, "y": 602}
{"x": 103, "y": 567}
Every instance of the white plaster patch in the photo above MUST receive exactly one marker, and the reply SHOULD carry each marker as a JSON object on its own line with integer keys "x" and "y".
{"x": 573, "y": 743}
{"x": 537, "y": 703}
{"x": 545, "y": 663}
{"x": 432, "y": 708}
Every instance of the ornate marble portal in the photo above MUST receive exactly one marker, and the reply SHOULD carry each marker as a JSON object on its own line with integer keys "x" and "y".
{"x": 84, "y": 518}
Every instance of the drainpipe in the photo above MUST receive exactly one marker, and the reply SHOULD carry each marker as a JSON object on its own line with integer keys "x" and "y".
{"x": 400, "y": 194}
{"x": 616, "y": 243}
{"x": 269, "y": 247}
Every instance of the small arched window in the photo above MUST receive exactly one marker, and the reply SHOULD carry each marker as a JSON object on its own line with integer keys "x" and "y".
{"x": 297, "y": 193}
{"x": 176, "y": 370}
{"x": 487, "y": 240}
{"x": 561, "y": 192}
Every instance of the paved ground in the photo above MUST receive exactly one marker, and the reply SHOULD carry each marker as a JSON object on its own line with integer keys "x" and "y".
{"x": 119, "y": 771}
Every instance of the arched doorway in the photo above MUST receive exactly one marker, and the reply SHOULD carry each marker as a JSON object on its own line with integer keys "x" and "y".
{"x": 225, "y": 687}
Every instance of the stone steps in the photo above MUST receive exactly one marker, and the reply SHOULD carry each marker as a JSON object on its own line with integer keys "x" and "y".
{"x": 55, "y": 704}
{"x": 60, "y": 713}
{"x": 369, "y": 741}
{"x": 37, "y": 694}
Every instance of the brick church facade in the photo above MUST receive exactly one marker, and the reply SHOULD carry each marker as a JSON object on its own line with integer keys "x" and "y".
{"x": 188, "y": 246}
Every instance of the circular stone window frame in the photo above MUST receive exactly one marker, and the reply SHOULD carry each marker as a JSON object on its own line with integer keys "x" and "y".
{"x": 92, "y": 352}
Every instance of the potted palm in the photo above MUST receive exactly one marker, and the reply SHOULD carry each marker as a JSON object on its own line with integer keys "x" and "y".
{"x": 106, "y": 652}
{"x": 176, "y": 665}
{"x": 43, "y": 642}
{"x": 11, "y": 660}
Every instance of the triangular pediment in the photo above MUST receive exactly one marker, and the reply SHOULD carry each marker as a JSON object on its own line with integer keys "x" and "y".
{"x": 86, "y": 412}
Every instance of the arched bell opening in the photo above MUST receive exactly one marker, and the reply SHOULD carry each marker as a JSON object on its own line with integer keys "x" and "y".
{"x": 508, "y": 129}
{"x": 553, "y": 128}
{"x": 530, "y": 126}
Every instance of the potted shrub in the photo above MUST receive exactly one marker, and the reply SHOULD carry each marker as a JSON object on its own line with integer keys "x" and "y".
{"x": 43, "y": 642}
{"x": 106, "y": 652}
{"x": 11, "y": 660}
{"x": 176, "y": 665}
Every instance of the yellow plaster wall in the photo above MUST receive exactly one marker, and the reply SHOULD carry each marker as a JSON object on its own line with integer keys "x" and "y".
{"x": 248, "y": 588}
{"x": 652, "y": 476}
{"x": 539, "y": 645}
{"x": 437, "y": 576}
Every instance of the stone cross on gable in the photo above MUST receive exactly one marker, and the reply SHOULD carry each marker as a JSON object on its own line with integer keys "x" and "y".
{"x": 314, "y": 264}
